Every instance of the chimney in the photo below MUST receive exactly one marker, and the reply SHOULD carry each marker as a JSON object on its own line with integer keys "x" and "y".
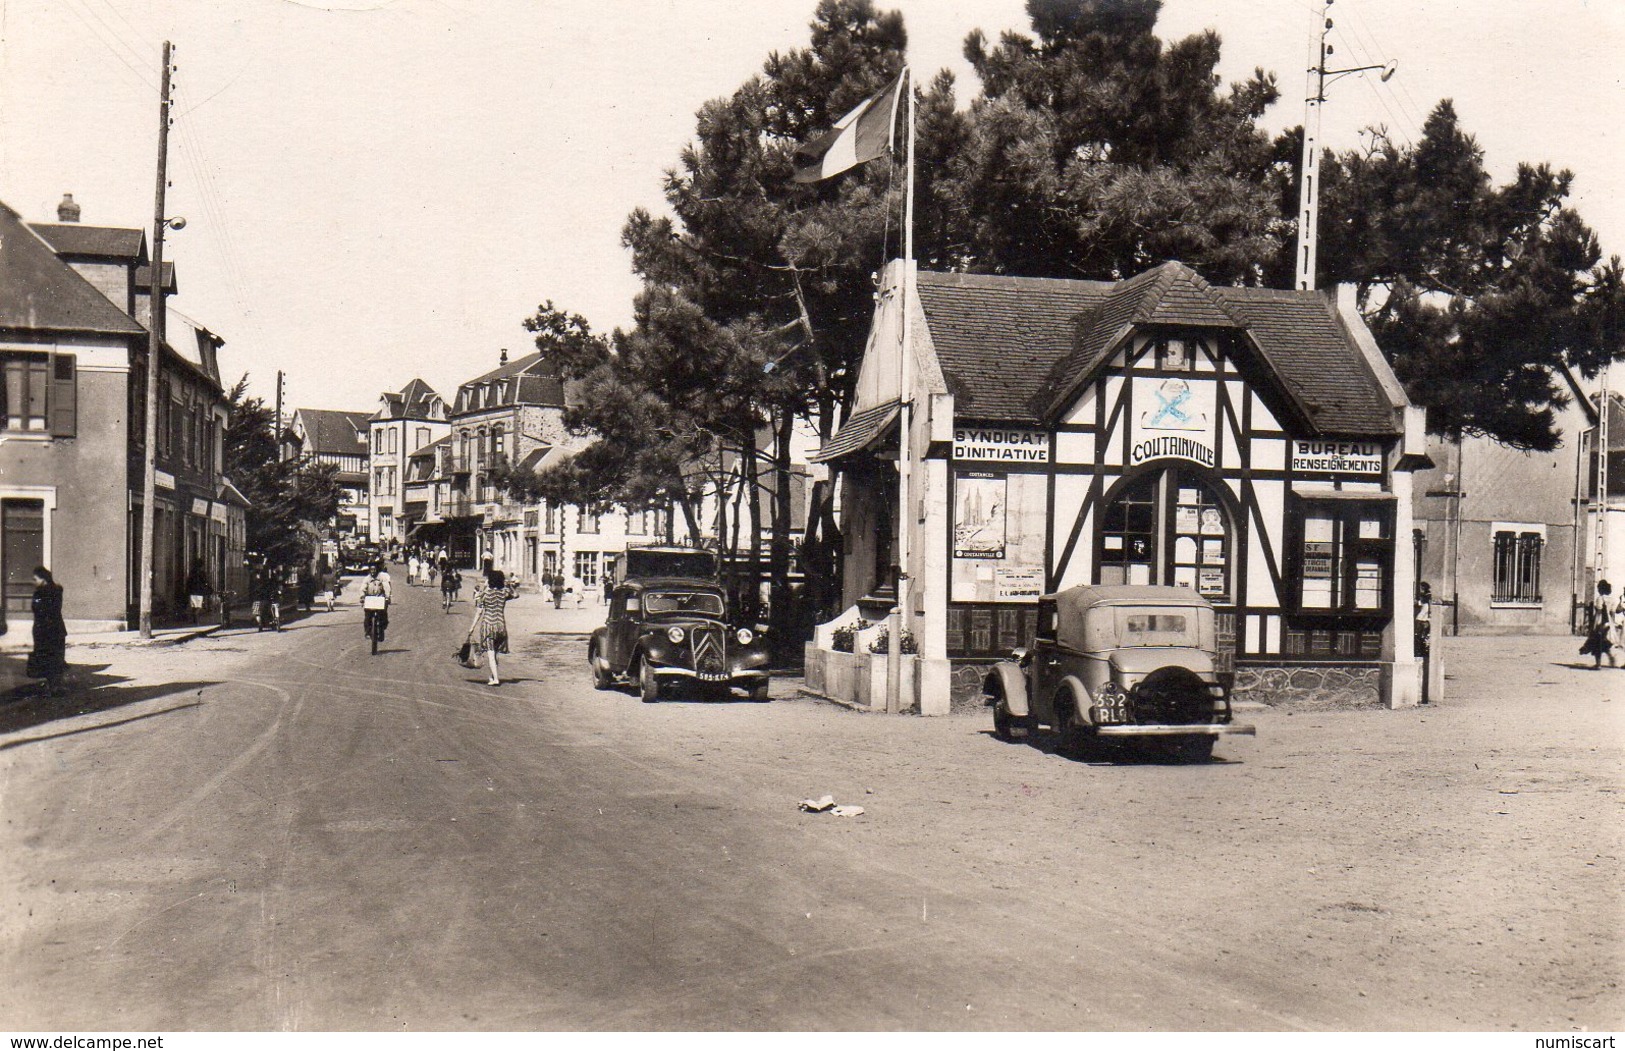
{"x": 68, "y": 210}
{"x": 503, "y": 360}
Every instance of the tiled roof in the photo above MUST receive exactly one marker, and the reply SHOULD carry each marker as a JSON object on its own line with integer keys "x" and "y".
{"x": 335, "y": 431}
{"x": 858, "y": 432}
{"x": 530, "y": 380}
{"x": 411, "y": 402}
{"x": 1016, "y": 349}
{"x": 143, "y": 278}
{"x": 1301, "y": 335}
{"x": 93, "y": 242}
{"x": 998, "y": 338}
{"x": 40, "y": 292}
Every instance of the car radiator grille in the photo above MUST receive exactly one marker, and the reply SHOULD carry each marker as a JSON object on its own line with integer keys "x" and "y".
{"x": 710, "y": 652}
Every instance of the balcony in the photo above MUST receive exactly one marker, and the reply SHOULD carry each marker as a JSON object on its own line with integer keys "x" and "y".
{"x": 458, "y": 505}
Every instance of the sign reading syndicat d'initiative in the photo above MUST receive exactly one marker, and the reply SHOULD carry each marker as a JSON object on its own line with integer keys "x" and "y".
{"x": 1000, "y": 443}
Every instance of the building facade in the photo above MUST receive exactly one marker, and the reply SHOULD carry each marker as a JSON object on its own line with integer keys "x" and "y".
{"x": 1250, "y": 444}
{"x": 72, "y": 467}
{"x": 508, "y": 419}
{"x": 407, "y": 420}
{"x": 342, "y": 440}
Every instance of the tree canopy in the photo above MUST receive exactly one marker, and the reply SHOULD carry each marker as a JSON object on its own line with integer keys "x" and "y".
{"x": 284, "y": 494}
{"x": 1477, "y": 293}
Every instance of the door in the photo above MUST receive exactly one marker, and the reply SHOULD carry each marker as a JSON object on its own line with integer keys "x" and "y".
{"x": 22, "y": 547}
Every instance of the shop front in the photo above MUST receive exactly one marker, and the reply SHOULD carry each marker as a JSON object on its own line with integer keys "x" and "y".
{"x": 1251, "y": 445}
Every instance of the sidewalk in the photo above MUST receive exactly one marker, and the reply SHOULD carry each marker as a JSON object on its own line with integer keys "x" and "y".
{"x": 532, "y": 614}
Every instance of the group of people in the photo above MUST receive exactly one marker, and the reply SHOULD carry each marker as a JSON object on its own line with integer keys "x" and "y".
{"x": 1605, "y": 627}
{"x": 487, "y": 631}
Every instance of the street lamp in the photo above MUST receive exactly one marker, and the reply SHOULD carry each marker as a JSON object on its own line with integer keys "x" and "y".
{"x": 1309, "y": 193}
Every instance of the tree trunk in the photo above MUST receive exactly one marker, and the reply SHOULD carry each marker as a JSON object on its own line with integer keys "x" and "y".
{"x": 785, "y": 615}
{"x": 753, "y": 572}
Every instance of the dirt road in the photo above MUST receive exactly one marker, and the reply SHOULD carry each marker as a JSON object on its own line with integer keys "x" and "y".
{"x": 280, "y": 832}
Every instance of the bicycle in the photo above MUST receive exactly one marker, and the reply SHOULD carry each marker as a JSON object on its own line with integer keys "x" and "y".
{"x": 375, "y": 621}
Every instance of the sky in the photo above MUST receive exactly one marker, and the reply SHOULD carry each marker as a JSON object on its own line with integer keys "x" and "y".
{"x": 381, "y": 189}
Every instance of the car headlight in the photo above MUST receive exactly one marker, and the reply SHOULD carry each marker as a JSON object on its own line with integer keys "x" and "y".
{"x": 744, "y": 635}
{"x": 674, "y": 634}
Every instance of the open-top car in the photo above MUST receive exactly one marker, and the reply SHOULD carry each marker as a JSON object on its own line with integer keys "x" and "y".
{"x": 666, "y": 631}
{"x": 1118, "y": 662}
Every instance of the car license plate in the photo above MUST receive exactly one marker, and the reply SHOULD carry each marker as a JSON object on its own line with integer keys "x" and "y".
{"x": 706, "y": 676}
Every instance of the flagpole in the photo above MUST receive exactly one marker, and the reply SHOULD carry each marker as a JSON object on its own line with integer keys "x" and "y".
{"x": 901, "y": 614}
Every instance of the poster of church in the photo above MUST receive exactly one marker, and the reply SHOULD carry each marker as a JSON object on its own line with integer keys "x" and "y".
{"x": 979, "y": 518}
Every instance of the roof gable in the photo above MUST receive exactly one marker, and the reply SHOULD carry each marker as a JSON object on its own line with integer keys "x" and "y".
{"x": 335, "y": 431}
{"x": 1017, "y": 349}
{"x": 74, "y": 241}
{"x": 531, "y": 380}
{"x": 38, "y": 291}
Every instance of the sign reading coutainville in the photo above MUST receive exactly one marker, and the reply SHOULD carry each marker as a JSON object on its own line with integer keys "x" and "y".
{"x": 998, "y": 443}
{"x": 1337, "y": 457}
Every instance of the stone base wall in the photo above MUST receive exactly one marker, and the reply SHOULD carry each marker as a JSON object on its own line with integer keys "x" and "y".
{"x": 1313, "y": 685}
{"x": 966, "y": 694}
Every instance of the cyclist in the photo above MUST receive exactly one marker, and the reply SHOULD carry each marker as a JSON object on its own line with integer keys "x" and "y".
{"x": 375, "y": 596}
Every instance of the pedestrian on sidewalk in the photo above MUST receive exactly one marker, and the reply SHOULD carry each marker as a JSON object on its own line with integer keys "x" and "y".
{"x": 306, "y": 588}
{"x": 198, "y": 589}
{"x": 49, "y": 660}
{"x": 488, "y": 633}
{"x": 1600, "y": 635}
{"x": 413, "y": 568}
{"x": 451, "y": 586}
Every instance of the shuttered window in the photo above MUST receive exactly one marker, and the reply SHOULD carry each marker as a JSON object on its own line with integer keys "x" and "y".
{"x": 40, "y": 393}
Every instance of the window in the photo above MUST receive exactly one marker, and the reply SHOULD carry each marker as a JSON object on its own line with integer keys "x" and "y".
{"x": 28, "y": 385}
{"x": 423, "y": 437}
{"x": 1517, "y": 564}
{"x": 378, "y": 441}
{"x": 637, "y": 523}
{"x": 499, "y": 447}
{"x": 586, "y": 563}
{"x": 1345, "y": 556}
{"x": 1176, "y": 355}
{"x": 394, "y": 440}
{"x": 550, "y": 518}
{"x": 589, "y": 519}
{"x": 1128, "y": 538}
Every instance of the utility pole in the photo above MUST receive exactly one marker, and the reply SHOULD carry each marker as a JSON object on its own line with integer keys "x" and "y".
{"x": 155, "y": 344}
{"x": 1599, "y": 549}
{"x": 1309, "y": 190}
{"x": 279, "y": 415}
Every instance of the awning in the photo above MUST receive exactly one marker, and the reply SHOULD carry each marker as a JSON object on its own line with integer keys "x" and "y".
{"x": 1369, "y": 495}
{"x": 861, "y": 432}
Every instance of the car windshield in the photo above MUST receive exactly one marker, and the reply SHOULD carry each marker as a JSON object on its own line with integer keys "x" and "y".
{"x": 683, "y": 602}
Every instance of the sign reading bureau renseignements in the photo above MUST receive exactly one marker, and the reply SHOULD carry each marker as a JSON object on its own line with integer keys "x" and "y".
{"x": 1337, "y": 457}
{"x": 1002, "y": 444}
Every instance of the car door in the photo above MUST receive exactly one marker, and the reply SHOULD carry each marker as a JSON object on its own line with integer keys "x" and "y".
{"x": 1044, "y": 664}
{"x": 624, "y": 615}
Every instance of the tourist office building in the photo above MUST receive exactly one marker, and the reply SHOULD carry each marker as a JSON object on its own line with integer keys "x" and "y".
{"x": 1250, "y": 444}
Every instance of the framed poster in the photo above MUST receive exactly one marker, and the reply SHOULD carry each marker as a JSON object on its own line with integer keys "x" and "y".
{"x": 979, "y": 515}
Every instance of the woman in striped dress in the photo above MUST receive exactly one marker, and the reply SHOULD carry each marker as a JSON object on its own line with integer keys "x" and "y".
{"x": 489, "y": 632}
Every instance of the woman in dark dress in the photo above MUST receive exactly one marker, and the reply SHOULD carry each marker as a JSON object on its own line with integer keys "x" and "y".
{"x": 49, "y": 661}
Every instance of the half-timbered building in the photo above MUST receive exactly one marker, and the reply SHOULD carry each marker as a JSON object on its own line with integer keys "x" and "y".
{"x": 1250, "y": 444}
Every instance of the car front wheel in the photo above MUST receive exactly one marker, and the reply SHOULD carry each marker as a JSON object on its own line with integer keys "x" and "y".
{"x": 648, "y": 685}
